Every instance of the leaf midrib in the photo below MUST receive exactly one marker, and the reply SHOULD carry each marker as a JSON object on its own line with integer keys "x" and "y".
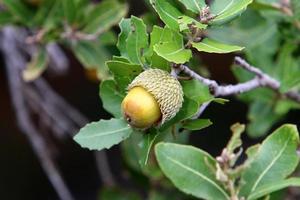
{"x": 199, "y": 174}
{"x": 166, "y": 13}
{"x": 270, "y": 165}
{"x": 107, "y": 133}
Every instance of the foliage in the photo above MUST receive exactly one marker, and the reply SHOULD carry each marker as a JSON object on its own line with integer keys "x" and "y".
{"x": 192, "y": 170}
{"x": 81, "y": 26}
{"x": 265, "y": 31}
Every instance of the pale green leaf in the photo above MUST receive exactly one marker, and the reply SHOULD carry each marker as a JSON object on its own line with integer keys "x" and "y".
{"x": 167, "y": 12}
{"x": 196, "y": 91}
{"x": 103, "y": 134}
{"x": 146, "y": 146}
{"x": 275, "y": 160}
{"x": 123, "y": 73}
{"x": 137, "y": 41}
{"x": 111, "y": 98}
{"x": 190, "y": 170}
{"x": 194, "y": 5}
{"x": 173, "y": 53}
{"x": 275, "y": 186}
{"x": 189, "y": 109}
{"x": 212, "y": 46}
{"x": 104, "y": 15}
{"x": 226, "y": 10}
{"x": 92, "y": 56}
{"x": 125, "y": 30}
{"x": 196, "y": 124}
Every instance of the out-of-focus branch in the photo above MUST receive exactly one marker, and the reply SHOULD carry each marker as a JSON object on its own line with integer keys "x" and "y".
{"x": 38, "y": 97}
{"x": 14, "y": 61}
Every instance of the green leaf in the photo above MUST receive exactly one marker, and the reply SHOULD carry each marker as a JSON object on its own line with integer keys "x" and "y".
{"x": 173, "y": 53}
{"x": 274, "y": 161}
{"x": 111, "y": 98}
{"x": 19, "y": 9}
{"x": 196, "y": 91}
{"x": 227, "y": 9}
{"x": 196, "y": 124}
{"x": 123, "y": 73}
{"x": 50, "y": 15}
{"x": 189, "y": 109}
{"x": 167, "y": 13}
{"x": 69, "y": 10}
{"x": 121, "y": 59}
{"x": 36, "y": 66}
{"x": 104, "y": 15}
{"x": 158, "y": 35}
{"x": 92, "y": 56}
{"x": 137, "y": 41}
{"x": 194, "y": 5}
{"x": 108, "y": 38}
{"x": 169, "y": 45}
{"x": 261, "y": 116}
{"x": 186, "y": 21}
{"x": 250, "y": 33}
{"x": 146, "y": 146}
{"x": 103, "y": 134}
{"x": 287, "y": 70}
{"x": 135, "y": 155}
{"x": 125, "y": 30}
{"x": 275, "y": 186}
{"x": 212, "y": 46}
{"x": 190, "y": 169}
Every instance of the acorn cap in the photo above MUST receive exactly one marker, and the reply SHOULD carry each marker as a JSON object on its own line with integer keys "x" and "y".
{"x": 165, "y": 88}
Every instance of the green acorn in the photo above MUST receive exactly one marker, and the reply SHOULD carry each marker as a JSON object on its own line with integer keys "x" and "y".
{"x": 153, "y": 98}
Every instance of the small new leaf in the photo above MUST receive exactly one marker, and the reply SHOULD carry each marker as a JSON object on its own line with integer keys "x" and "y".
{"x": 36, "y": 66}
{"x": 235, "y": 140}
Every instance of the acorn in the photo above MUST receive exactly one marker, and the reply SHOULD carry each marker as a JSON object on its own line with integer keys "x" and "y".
{"x": 153, "y": 98}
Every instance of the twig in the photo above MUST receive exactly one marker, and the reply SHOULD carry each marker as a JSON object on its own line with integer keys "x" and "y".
{"x": 201, "y": 110}
{"x": 58, "y": 60}
{"x": 260, "y": 80}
